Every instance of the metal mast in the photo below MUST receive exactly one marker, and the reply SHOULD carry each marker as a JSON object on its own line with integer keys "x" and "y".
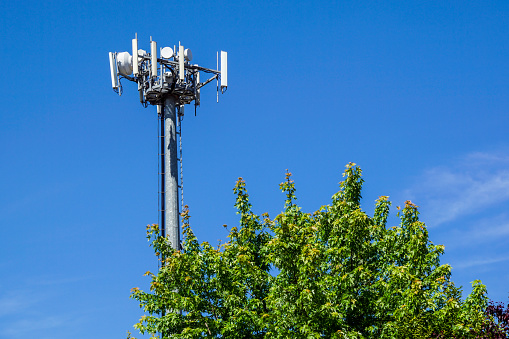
{"x": 168, "y": 81}
{"x": 171, "y": 174}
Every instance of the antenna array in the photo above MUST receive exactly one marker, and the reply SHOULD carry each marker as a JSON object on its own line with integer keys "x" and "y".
{"x": 169, "y": 73}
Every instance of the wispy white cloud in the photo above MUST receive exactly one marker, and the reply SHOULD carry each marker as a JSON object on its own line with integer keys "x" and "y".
{"x": 26, "y": 297}
{"x": 481, "y": 262}
{"x": 59, "y": 280}
{"x": 482, "y": 231}
{"x": 31, "y": 327}
{"x": 472, "y": 184}
{"x": 17, "y": 301}
{"x": 25, "y": 311}
{"x": 47, "y": 192}
{"x": 486, "y": 158}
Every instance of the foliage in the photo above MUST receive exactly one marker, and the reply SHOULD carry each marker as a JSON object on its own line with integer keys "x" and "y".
{"x": 497, "y": 326}
{"x": 337, "y": 273}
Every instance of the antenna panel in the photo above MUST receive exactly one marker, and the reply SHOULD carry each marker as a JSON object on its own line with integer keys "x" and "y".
{"x": 181, "y": 63}
{"x": 135, "y": 57}
{"x": 224, "y": 69}
{"x": 153, "y": 57}
{"x": 113, "y": 71}
{"x": 197, "y": 99}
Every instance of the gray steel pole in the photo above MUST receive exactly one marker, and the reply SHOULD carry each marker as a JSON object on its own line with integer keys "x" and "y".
{"x": 172, "y": 229}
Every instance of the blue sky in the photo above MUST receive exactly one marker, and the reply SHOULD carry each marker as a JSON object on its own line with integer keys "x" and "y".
{"x": 415, "y": 92}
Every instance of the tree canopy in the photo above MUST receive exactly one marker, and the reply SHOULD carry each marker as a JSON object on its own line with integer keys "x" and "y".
{"x": 336, "y": 273}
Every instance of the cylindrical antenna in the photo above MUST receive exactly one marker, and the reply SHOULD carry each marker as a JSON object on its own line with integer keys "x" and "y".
{"x": 153, "y": 57}
{"x": 224, "y": 70}
{"x": 135, "y": 55}
{"x": 181, "y": 62}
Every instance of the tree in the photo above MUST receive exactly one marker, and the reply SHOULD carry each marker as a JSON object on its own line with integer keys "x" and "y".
{"x": 337, "y": 273}
{"x": 497, "y": 322}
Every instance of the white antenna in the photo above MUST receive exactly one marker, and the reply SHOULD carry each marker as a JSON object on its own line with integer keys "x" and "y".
{"x": 153, "y": 57}
{"x": 113, "y": 71}
{"x": 135, "y": 55}
{"x": 224, "y": 70}
{"x": 166, "y": 52}
{"x": 124, "y": 63}
{"x": 188, "y": 54}
{"x": 181, "y": 62}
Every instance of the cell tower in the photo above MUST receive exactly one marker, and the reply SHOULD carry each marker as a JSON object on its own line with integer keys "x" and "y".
{"x": 169, "y": 82}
